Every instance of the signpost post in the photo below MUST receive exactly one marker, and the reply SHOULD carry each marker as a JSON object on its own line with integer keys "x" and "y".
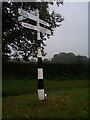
{"x": 24, "y": 15}
{"x": 39, "y": 57}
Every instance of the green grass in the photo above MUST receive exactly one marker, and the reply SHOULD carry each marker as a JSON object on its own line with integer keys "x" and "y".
{"x": 66, "y": 99}
{"x": 18, "y": 87}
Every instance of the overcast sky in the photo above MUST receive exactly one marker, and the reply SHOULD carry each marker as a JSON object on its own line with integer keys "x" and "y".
{"x": 72, "y": 35}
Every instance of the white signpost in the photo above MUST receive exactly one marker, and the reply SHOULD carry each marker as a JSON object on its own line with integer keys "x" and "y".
{"x": 24, "y": 15}
{"x": 42, "y": 29}
{"x": 26, "y": 25}
{"x": 20, "y": 18}
{"x": 45, "y": 30}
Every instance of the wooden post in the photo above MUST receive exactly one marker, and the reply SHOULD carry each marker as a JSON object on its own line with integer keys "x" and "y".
{"x": 39, "y": 57}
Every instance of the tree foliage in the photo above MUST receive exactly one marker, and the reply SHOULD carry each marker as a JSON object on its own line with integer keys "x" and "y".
{"x": 19, "y": 42}
{"x": 69, "y": 58}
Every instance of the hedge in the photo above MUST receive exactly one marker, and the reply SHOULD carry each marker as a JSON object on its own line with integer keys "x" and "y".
{"x": 16, "y": 70}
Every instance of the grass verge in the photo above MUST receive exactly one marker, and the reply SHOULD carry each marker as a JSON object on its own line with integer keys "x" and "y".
{"x": 66, "y": 99}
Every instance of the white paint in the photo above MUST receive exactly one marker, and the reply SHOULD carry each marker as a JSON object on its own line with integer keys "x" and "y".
{"x": 32, "y": 12}
{"x": 41, "y": 94}
{"x": 31, "y": 16}
{"x": 44, "y": 23}
{"x": 26, "y": 14}
{"x": 37, "y": 28}
{"x": 40, "y": 73}
{"x": 39, "y": 55}
{"x": 20, "y": 18}
{"x": 26, "y": 25}
{"x": 45, "y": 30}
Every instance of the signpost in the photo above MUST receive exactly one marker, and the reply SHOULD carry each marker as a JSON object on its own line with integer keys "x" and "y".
{"x": 24, "y": 15}
{"x": 26, "y": 25}
{"x": 20, "y": 18}
{"x": 42, "y": 29}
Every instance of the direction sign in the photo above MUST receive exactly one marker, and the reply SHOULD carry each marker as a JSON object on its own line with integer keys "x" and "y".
{"x": 20, "y": 18}
{"x": 44, "y": 23}
{"x": 32, "y": 12}
{"x": 42, "y": 29}
{"x": 29, "y": 26}
{"x": 26, "y": 15}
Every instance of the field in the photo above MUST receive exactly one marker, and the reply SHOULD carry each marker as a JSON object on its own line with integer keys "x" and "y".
{"x": 66, "y": 99}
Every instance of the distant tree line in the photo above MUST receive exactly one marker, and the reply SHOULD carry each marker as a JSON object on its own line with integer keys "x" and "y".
{"x": 68, "y": 58}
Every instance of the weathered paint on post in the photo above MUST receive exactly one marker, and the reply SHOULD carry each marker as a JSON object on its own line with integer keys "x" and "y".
{"x": 39, "y": 57}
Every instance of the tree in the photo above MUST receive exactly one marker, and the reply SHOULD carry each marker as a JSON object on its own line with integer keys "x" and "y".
{"x": 64, "y": 58}
{"x": 18, "y": 42}
{"x": 81, "y": 59}
{"x": 69, "y": 58}
{"x": 46, "y": 60}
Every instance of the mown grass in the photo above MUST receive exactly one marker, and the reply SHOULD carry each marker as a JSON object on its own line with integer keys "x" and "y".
{"x": 66, "y": 99}
{"x": 18, "y": 87}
